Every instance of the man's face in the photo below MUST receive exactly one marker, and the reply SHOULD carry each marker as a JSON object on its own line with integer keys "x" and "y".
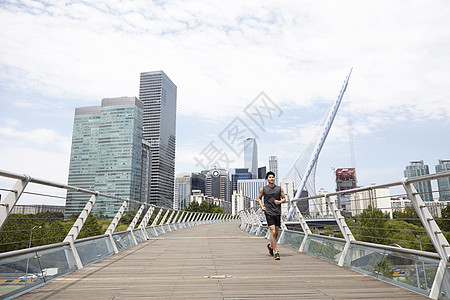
{"x": 271, "y": 179}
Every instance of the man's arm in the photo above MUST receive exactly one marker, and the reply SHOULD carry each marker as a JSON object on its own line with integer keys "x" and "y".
{"x": 283, "y": 197}
{"x": 260, "y": 200}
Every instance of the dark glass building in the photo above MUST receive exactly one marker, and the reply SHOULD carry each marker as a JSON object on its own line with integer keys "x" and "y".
{"x": 159, "y": 95}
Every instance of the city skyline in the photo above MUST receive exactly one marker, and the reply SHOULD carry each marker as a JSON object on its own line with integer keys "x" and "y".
{"x": 297, "y": 53}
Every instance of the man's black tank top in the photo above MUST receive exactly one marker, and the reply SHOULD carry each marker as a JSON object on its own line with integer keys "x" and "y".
{"x": 270, "y": 194}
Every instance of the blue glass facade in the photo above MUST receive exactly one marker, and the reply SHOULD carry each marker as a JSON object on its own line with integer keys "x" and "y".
{"x": 443, "y": 183}
{"x": 418, "y": 168}
{"x": 106, "y": 154}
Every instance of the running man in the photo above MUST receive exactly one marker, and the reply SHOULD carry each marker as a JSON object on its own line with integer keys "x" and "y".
{"x": 273, "y": 197}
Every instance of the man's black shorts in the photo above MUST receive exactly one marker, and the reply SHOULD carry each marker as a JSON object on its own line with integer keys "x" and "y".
{"x": 273, "y": 220}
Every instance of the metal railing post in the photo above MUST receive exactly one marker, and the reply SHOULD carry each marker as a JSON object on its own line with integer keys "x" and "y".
{"x": 145, "y": 220}
{"x": 438, "y": 239}
{"x": 76, "y": 228}
{"x": 340, "y": 220}
{"x": 186, "y": 216}
{"x": 155, "y": 221}
{"x": 113, "y": 225}
{"x": 174, "y": 217}
{"x": 11, "y": 198}
{"x": 165, "y": 217}
{"x": 304, "y": 225}
{"x": 134, "y": 222}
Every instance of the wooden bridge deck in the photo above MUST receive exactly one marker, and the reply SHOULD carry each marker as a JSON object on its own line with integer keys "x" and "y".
{"x": 177, "y": 266}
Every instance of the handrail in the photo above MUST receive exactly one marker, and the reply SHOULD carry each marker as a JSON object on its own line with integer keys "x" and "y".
{"x": 31, "y": 250}
{"x": 379, "y": 186}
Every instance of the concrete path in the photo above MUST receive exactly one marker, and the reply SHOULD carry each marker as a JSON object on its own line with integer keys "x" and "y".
{"x": 216, "y": 261}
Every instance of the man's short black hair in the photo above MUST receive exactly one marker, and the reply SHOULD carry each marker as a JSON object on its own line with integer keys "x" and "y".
{"x": 270, "y": 173}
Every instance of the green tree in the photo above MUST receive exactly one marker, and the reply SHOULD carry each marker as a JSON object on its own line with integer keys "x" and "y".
{"x": 370, "y": 226}
{"x": 409, "y": 215}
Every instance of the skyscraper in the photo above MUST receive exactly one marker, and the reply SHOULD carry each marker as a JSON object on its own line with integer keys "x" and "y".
{"x": 185, "y": 184}
{"x": 106, "y": 154}
{"x": 238, "y": 174}
{"x": 218, "y": 184}
{"x": 251, "y": 157}
{"x": 273, "y": 166}
{"x": 183, "y": 190}
{"x": 159, "y": 95}
{"x": 443, "y": 183}
{"x": 418, "y": 168}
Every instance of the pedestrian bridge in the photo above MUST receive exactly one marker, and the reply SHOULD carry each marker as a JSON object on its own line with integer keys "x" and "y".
{"x": 214, "y": 261}
{"x": 218, "y": 256}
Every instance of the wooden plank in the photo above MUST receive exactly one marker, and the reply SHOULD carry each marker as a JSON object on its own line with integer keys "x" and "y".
{"x": 178, "y": 265}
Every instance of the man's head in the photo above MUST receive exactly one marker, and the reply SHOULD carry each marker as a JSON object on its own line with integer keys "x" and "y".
{"x": 270, "y": 173}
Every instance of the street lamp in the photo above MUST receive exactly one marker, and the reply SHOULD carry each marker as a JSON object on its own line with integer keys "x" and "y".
{"x": 29, "y": 246}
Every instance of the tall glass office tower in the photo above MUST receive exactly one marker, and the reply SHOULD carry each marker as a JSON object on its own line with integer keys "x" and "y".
{"x": 106, "y": 154}
{"x": 251, "y": 157}
{"x": 159, "y": 95}
{"x": 443, "y": 183}
{"x": 273, "y": 166}
{"x": 418, "y": 168}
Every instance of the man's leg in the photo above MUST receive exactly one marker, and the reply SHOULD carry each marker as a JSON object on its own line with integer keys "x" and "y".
{"x": 273, "y": 237}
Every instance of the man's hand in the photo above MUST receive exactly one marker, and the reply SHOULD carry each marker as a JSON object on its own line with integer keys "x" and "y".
{"x": 263, "y": 208}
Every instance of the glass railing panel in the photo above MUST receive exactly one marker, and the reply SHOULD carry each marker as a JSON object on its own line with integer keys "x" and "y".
{"x": 365, "y": 260}
{"x": 159, "y": 230}
{"x": 139, "y": 235}
{"x": 166, "y": 228}
{"x": 292, "y": 240}
{"x": 93, "y": 250}
{"x": 19, "y": 273}
{"x": 150, "y": 232}
{"x": 313, "y": 246}
{"x": 407, "y": 270}
{"x": 254, "y": 229}
{"x": 331, "y": 250}
{"x": 263, "y": 231}
{"x": 280, "y": 235}
{"x": 123, "y": 240}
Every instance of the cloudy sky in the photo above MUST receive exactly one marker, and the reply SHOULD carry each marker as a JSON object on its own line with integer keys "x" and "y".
{"x": 59, "y": 55}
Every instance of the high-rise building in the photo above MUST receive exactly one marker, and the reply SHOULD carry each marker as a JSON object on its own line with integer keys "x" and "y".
{"x": 251, "y": 157}
{"x": 218, "y": 185}
{"x": 345, "y": 180}
{"x": 418, "y": 168}
{"x": 262, "y": 172}
{"x": 239, "y": 174}
{"x": 106, "y": 155}
{"x": 443, "y": 183}
{"x": 251, "y": 187}
{"x": 198, "y": 182}
{"x": 273, "y": 166}
{"x": 183, "y": 189}
{"x": 185, "y": 184}
{"x": 146, "y": 171}
{"x": 159, "y": 95}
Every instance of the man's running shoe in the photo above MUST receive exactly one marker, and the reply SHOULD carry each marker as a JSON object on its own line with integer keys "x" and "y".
{"x": 277, "y": 256}
{"x": 270, "y": 249}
